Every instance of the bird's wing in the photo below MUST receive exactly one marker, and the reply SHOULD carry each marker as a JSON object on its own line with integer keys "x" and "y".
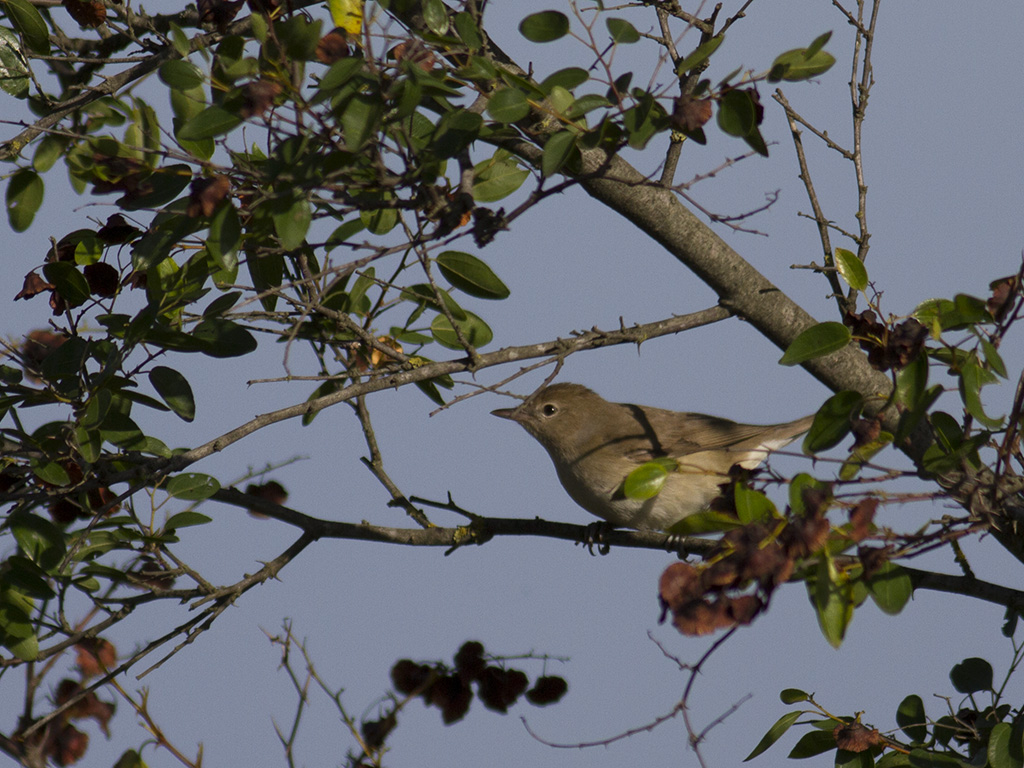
{"x": 683, "y": 434}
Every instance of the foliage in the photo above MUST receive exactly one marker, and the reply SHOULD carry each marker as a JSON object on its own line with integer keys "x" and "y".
{"x": 334, "y": 190}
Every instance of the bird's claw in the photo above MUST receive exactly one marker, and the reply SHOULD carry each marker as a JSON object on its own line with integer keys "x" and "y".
{"x": 595, "y": 534}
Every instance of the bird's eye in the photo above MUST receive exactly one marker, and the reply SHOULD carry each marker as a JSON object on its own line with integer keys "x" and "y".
{"x": 549, "y": 409}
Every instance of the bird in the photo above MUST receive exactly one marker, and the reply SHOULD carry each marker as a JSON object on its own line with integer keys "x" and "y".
{"x": 595, "y": 444}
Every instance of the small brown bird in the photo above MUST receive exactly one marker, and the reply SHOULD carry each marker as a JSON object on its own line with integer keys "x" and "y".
{"x": 595, "y": 444}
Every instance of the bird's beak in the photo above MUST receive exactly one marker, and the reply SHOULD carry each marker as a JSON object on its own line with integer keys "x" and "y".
{"x": 507, "y": 413}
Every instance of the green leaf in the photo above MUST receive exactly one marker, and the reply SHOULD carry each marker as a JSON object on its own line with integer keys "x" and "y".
{"x": 466, "y": 26}
{"x": 174, "y": 389}
{"x": 70, "y": 282}
{"x": 833, "y": 421}
{"x": 508, "y": 105}
{"x": 804, "y": 482}
{"x": 48, "y": 151}
{"x": 28, "y": 21}
{"x": 568, "y": 78}
{"x": 817, "y": 341}
{"x": 212, "y": 121}
{"x": 800, "y": 64}
{"x": 360, "y": 120}
{"x": 544, "y": 27}
{"x": 911, "y": 382}
{"x": 971, "y": 676}
{"x": 27, "y": 577}
{"x": 292, "y": 224}
{"x": 811, "y": 744}
{"x": 912, "y": 720}
{"x": 645, "y": 481}
{"x": 1002, "y": 753}
{"x": 752, "y": 506}
{"x": 50, "y": 472}
{"x": 192, "y": 486}
{"x": 707, "y": 521}
{"x": 793, "y": 696}
{"x": 225, "y": 237}
{"x": 181, "y": 75}
{"x": 497, "y": 178}
{"x": 557, "y": 150}
{"x": 851, "y": 269}
{"x": 40, "y": 540}
{"x": 774, "y": 733}
{"x": 380, "y": 221}
{"x": 14, "y": 72}
{"x": 621, "y": 30}
{"x": 436, "y": 16}
{"x": 470, "y": 275}
{"x": 833, "y": 601}
{"x": 222, "y": 338}
{"x": 474, "y": 330}
{"x": 700, "y": 55}
{"x": 972, "y": 379}
{"x": 737, "y": 113}
{"x": 993, "y": 359}
{"x": 862, "y": 454}
{"x": 24, "y": 196}
{"x": 120, "y": 430}
{"x": 186, "y": 519}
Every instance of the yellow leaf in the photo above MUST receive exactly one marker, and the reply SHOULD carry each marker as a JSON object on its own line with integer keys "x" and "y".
{"x": 347, "y": 14}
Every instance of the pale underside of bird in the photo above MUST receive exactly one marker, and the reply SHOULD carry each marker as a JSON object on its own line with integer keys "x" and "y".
{"x": 595, "y": 444}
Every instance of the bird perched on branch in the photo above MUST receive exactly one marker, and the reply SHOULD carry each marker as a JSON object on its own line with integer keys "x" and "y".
{"x": 595, "y": 445}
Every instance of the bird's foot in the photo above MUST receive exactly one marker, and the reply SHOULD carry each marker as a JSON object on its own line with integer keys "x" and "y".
{"x": 595, "y": 534}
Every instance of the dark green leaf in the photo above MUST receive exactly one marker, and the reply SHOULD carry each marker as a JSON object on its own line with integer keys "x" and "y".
{"x": 813, "y": 743}
{"x": 381, "y": 221}
{"x": 544, "y": 27}
{"x": 466, "y": 26}
{"x": 852, "y": 269}
{"x": 474, "y": 330}
{"x": 508, "y": 105}
{"x": 972, "y": 378}
{"x": 645, "y": 481}
{"x": 470, "y": 275}
{"x": 40, "y": 540}
{"x": 211, "y": 122}
{"x": 912, "y": 720}
{"x": 818, "y": 43}
{"x": 120, "y": 430}
{"x": 700, "y": 55}
{"x": 24, "y": 196}
{"x": 972, "y": 675}
{"x": 186, "y": 519}
{"x": 360, "y": 120}
{"x": 708, "y": 521}
{"x": 774, "y": 733}
{"x": 223, "y": 338}
{"x": 27, "y": 577}
{"x": 225, "y": 237}
{"x": 161, "y": 188}
{"x": 28, "y": 21}
{"x": 292, "y": 223}
{"x": 70, "y": 282}
{"x": 192, "y": 486}
{"x": 793, "y": 696}
{"x": 568, "y": 78}
{"x": 51, "y": 472}
{"x": 621, "y": 30}
{"x": 48, "y": 151}
{"x": 993, "y": 359}
{"x": 833, "y": 421}
{"x": 174, "y": 389}
{"x": 557, "y": 150}
{"x": 181, "y": 75}
{"x": 817, "y": 341}
{"x": 737, "y": 113}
